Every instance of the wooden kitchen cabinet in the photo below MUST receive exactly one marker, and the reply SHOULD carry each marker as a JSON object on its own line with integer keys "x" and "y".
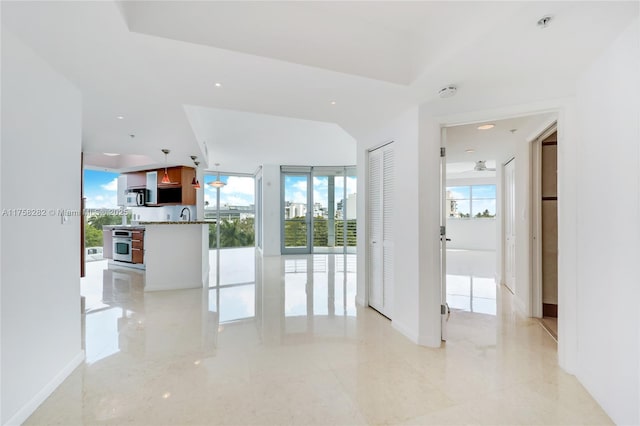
{"x": 137, "y": 246}
{"x": 179, "y": 191}
{"x": 136, "y": 180}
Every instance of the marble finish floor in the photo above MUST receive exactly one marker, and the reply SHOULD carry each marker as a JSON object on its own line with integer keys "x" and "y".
{"x": 291, "y": 347}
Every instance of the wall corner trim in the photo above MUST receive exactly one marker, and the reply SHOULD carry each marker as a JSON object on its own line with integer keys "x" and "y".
{"x": 30, "y": 407}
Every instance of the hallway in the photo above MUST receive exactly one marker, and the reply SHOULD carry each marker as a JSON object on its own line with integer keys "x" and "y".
{"x": 296, "y": 350}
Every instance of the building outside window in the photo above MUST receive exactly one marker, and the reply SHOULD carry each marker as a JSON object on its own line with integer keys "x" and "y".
{"x": 471, "y": 201}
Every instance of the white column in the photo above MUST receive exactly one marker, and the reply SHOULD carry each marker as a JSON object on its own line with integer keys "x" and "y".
{"x": 271, "y": 210}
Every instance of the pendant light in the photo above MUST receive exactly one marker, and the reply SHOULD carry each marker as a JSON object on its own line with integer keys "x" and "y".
{"x": 217, "y": 183}
{"x": 165, "y": 178}
{"x": 194, "y": 182}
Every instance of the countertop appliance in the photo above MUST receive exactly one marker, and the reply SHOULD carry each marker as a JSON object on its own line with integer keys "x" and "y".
{"x": 136, "y": 197}
{"x": 122, "y": 245}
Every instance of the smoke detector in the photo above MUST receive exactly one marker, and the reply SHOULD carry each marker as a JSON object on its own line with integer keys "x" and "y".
{"x": 447, "y": 91}
{"x": 544, "y": 21}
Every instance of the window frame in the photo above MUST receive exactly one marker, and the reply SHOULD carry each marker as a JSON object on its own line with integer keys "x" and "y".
{"x": 471, "y": 199}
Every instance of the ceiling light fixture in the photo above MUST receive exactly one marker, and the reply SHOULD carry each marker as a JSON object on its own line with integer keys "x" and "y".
{"x": 218, "y": 84}
{"x": 544, "y": 21}
{"x": 120, "y": 117}
{"x": 217, "y": 183}
{"x": 486, "y": 126}
{"x": 195, "y": 183}
{"x": 447, "y": 91}
{"x": 110, "y": 154}
{"x": 469, "y": 150}
{"x": 165, "y": 178}
{"x": 513, "y": 130}
{"x": 333, "y": 102}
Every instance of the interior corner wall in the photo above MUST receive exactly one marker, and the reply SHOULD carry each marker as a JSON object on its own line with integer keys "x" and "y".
{"x": 403, "y": 131}
{"x": 41, "y": 148}
{"x": 271, "y": 205}
{"x": 608, "y": 223}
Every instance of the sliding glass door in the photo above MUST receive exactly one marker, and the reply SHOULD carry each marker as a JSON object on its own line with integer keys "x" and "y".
{"x": 296, "y": 212}
{"x": 318, "y": 210}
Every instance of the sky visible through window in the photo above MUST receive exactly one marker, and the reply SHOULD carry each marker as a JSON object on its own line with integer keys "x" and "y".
{"x": 296, "y": 189}
{"x": 100, "y": 189}
{"x": 472, "y": 200}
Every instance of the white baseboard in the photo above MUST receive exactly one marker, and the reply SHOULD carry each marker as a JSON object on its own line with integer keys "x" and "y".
{"x": 30, "y": 407}
{"x": 428, "y": 340}
{"x": 405, "y": 331}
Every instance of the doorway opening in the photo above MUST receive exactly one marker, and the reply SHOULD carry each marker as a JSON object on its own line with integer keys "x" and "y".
{"x": 486, "y": 196}
{"x": 545, "y": 228}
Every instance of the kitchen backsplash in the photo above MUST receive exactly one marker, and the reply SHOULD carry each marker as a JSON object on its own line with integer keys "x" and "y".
{"x": 162, "y": 214}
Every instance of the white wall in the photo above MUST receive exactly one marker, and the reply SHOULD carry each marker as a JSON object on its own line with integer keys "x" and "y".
{"x": 608, "y": 221}
{"x": 41, "y": 145}
{"x": 413, "y": 223}
{"x": 163, "y": 214}
{"x": 471, "y": 234}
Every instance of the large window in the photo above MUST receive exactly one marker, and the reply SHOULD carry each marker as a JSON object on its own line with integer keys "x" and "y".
{"x": 318, "y": 209}
{"x": 471, "y": 201}
{"x": 231, "y": 211}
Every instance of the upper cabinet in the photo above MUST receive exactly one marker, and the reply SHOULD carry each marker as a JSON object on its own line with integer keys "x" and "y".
{"x": 178, "y": 191}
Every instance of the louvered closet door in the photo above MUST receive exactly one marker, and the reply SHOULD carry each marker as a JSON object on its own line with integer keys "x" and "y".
{"x": 380, "y": 217}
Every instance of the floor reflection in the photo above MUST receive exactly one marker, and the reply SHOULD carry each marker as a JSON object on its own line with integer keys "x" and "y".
{"x": 471, "y": 282}
{"x": 321, "y": 284}
{"x": 280, "y": 295}
{"x": 280, "y": 341}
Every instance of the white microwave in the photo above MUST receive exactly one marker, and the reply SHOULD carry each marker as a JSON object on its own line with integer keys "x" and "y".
{"x": 135, "y": 198}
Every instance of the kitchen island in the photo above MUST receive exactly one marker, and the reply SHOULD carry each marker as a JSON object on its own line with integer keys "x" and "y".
{"x": 176, "y": 255}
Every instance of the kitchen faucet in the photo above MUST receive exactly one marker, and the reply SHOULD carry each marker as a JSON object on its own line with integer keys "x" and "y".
{"x": 182, "y": 215}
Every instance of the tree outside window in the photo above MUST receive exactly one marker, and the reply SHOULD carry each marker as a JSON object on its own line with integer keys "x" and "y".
{"x": 471, "y": 201}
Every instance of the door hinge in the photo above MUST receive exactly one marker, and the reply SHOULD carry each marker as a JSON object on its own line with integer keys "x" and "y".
{"x": 443, "y": 151}
{"x": 443, "y": 230}
{"x": 443, "y": 309}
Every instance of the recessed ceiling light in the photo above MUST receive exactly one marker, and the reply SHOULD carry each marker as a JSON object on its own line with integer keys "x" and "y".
{"x": 218, "y": 84}
{"x": 110, "y": 154}
{"x": 486, "y": 126}
{"x": 120, "y": 117}
{"x": 333, "y": 102}
{"x": 469, "y": 150}
{"x": 132, "y": 136}
{"x": 513, "y": 130}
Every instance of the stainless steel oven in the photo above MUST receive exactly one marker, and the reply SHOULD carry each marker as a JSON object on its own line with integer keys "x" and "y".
{"x": 121, "y": 245}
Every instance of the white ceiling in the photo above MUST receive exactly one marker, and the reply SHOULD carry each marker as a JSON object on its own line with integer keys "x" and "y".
{"x": 238, "y": 139}
{"x": 148, "y": 60}
{"x": 494, "y": 146}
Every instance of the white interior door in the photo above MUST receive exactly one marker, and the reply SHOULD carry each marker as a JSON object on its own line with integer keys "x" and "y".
{"x": 380, "y": 228}
{"x": 510, "y": 224}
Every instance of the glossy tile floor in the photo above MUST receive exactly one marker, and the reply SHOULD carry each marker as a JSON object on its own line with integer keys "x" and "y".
{"x": 290, "y": 347}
